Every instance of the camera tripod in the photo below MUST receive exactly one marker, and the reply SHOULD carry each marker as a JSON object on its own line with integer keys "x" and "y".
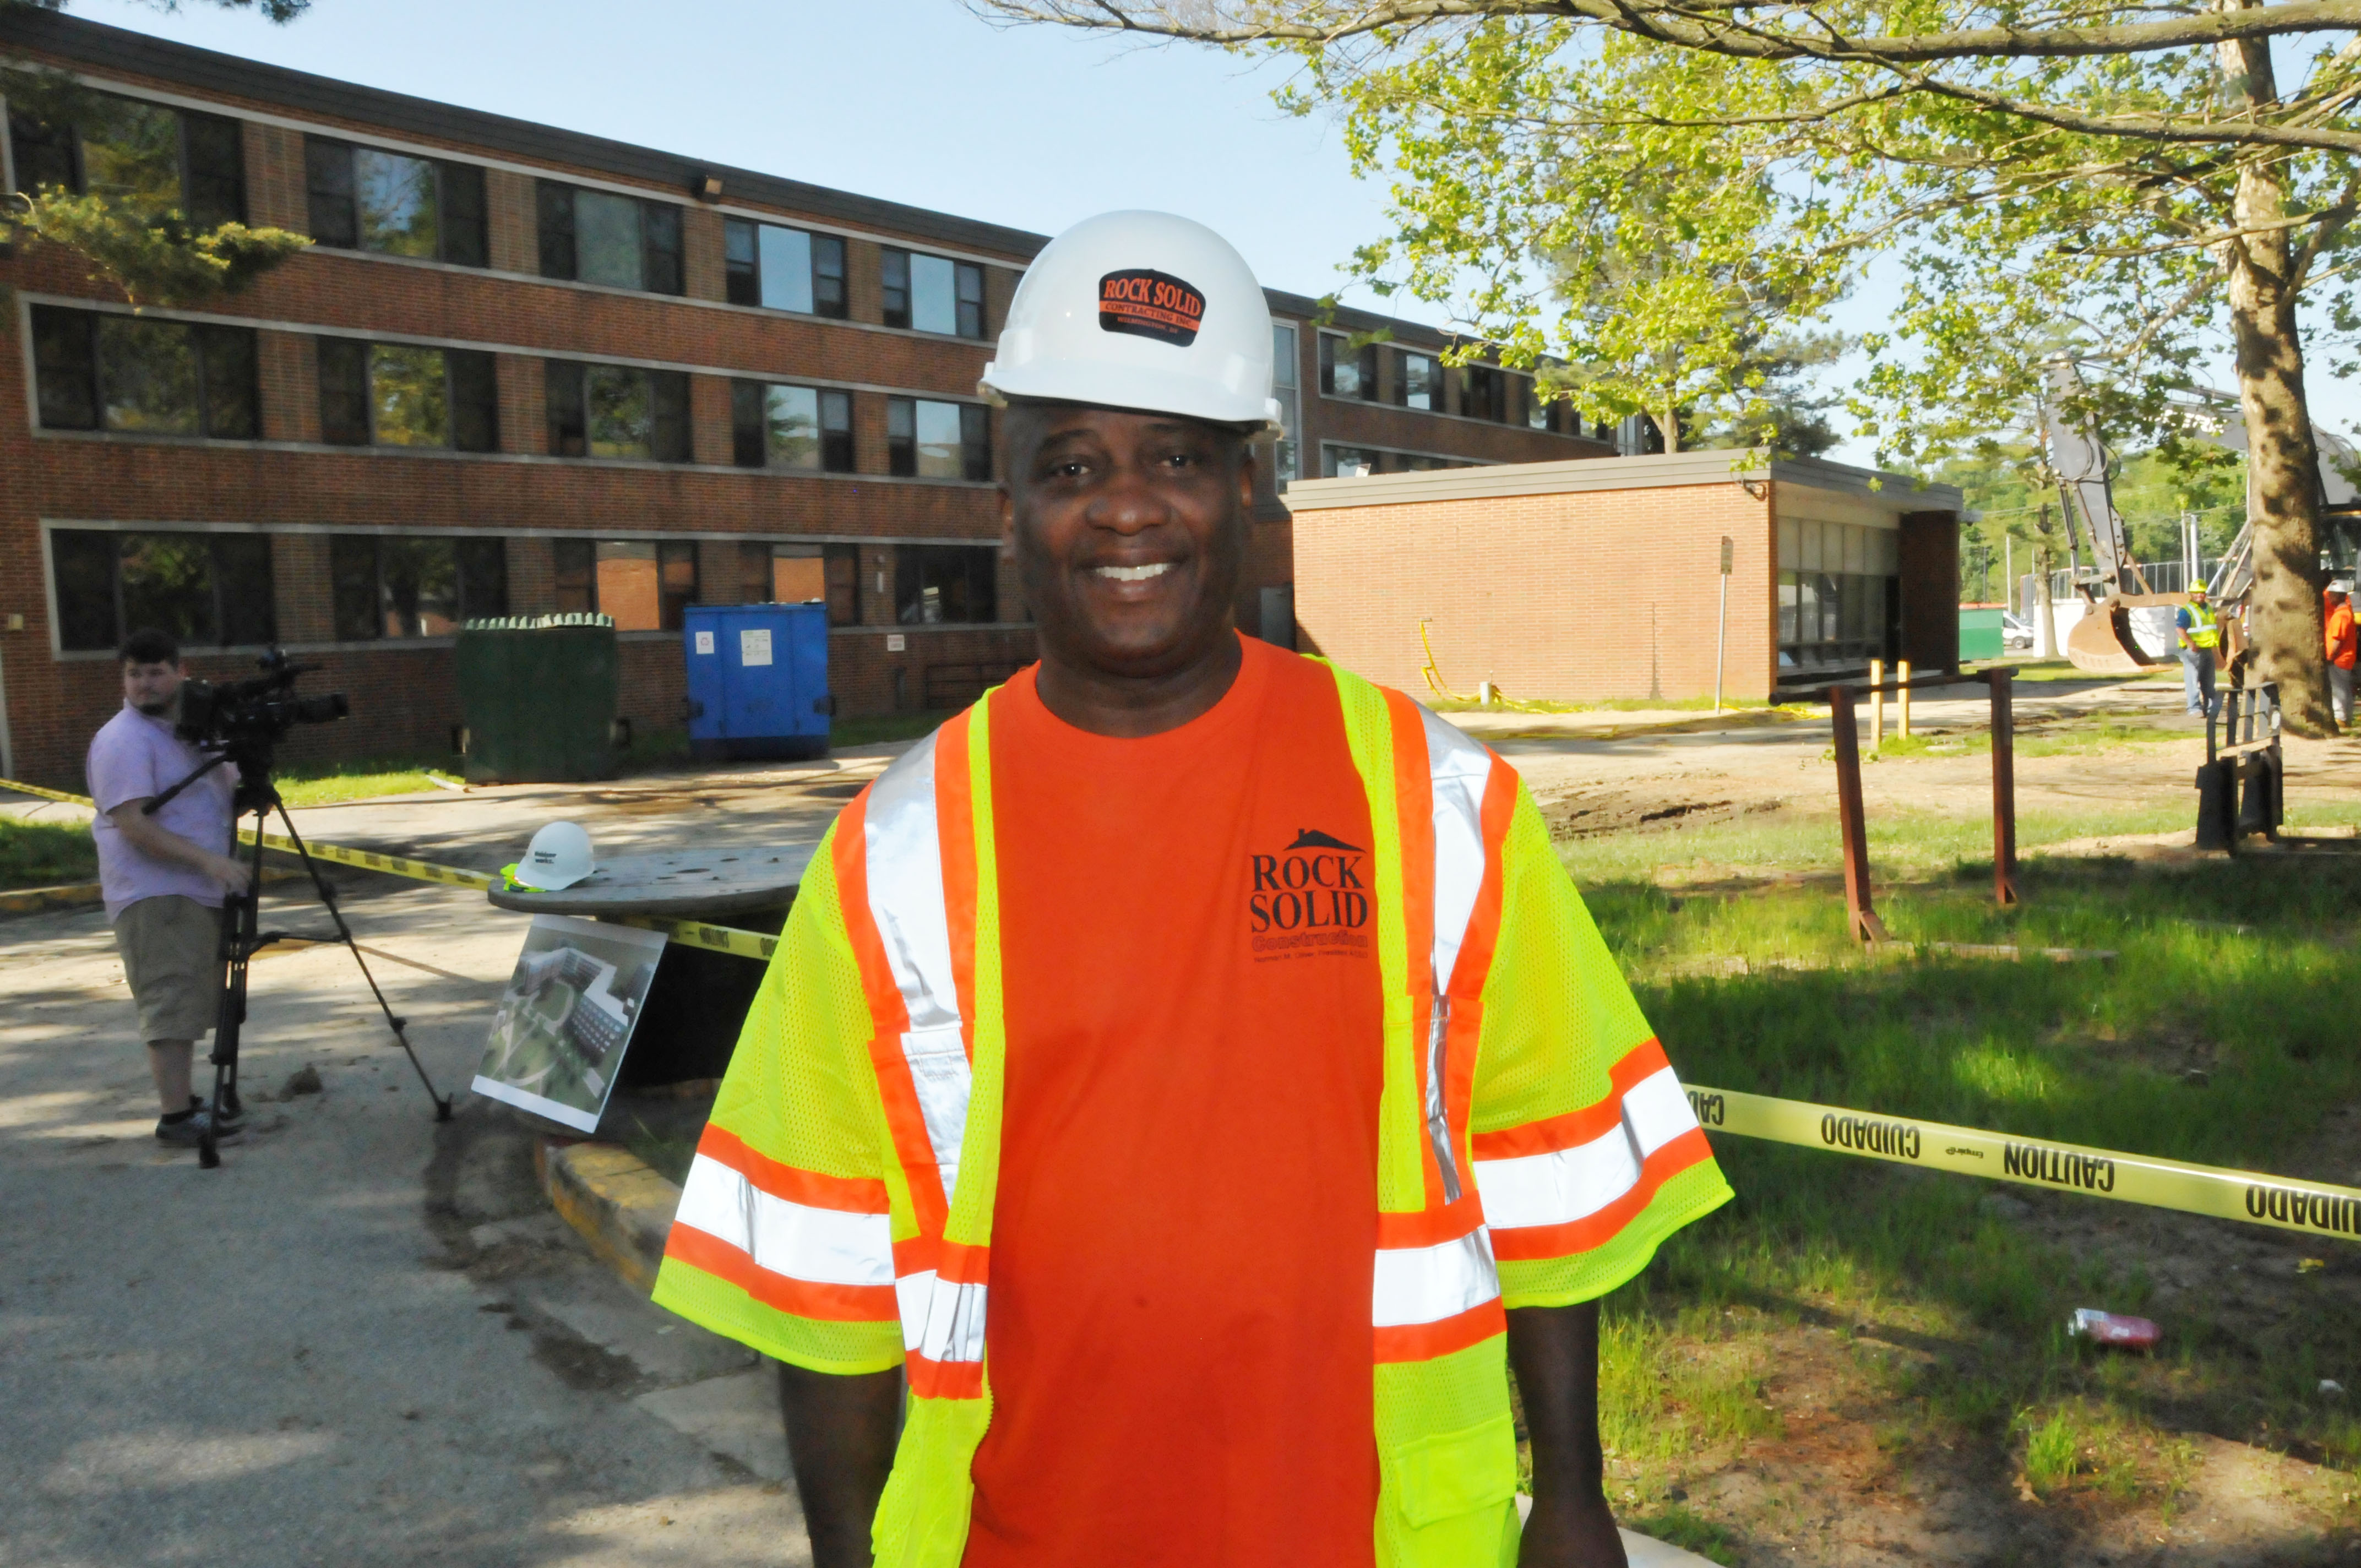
{"x": 241, "y": 940}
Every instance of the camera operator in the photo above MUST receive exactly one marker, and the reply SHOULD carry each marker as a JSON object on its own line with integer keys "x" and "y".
{"x": 165, "y": 876}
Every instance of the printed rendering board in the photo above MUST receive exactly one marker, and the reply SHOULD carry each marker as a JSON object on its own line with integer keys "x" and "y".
{"x": 557, "y": 1040}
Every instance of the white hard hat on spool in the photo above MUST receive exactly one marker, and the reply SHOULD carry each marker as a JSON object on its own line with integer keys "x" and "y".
{"x": 1139, "y": 310}
{"x": 558, "y": 857}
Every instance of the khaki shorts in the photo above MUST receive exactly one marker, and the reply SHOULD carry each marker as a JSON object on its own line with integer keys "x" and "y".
{"x": 171, "y": 956}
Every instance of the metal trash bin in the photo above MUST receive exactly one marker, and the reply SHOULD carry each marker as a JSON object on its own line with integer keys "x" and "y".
{"x": 1981, "y": 635}
{"x": 537, "y": 696}
{"x": 757, "y": 680}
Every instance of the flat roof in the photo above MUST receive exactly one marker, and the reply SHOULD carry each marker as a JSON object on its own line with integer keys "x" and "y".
{"x": 1894, "y": 492}
{"x": 106, "y": 49}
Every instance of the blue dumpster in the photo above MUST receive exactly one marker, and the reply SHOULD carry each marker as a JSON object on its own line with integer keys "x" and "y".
{"x": 757, "y": 680}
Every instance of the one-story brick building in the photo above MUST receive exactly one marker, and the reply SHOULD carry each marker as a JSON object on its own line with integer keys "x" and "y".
{"x": 1601, "y": 579}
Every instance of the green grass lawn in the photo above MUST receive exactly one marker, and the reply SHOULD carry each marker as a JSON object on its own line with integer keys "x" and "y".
{"x": 321, "y": 783}
{"x": 2197, "y": 1043}
{"x": 45, "y": 854}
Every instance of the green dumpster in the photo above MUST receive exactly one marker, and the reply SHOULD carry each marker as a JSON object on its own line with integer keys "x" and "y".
{"x": 1980, "y": 634}
{"x": 537, "y": 695}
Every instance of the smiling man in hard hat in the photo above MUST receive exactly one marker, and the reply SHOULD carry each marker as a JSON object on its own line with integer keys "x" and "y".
{"x": 1188, "y": 1072}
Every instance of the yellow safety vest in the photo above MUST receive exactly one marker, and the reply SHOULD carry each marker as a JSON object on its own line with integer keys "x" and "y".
{"x": 1534, "y": 1146}
{"x": 2201, "y": 631}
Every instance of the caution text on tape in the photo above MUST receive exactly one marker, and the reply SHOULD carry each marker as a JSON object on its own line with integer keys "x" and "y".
{"x": 2313, "y": 1207}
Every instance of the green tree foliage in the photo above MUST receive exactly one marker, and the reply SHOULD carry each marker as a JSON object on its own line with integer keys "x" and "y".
{"x": 130, "y": 226}
{"x": 2115, "y": 182}
{"x": 155, "y": 259}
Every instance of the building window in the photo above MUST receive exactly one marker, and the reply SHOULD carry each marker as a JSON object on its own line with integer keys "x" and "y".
{"x": 1348, "y": 462}
{"x": 784, "y": 268}
{"x": 1418, "y": 383}
{"x": 933, "y": 293}
{"x": 1347, "y": 372}
{"x": 576, "y": 567}
{"x": 596, "y": 236}
{"x": 842, "y": 563}
{"x": 1839, "y": 594}
{"x": 617, "y": 411}
{"x": 1485, "y": 393}
{"x": 1283, "y": 387}
{"x": 209, "y": 590}
{"x": 393, "y": 394}
{"x": 99, "y": 370}
{"x": 645, "y": 584}
{"x": 780, "y": 573}
{"x": 143, "y": 155}
{"x": 790, "y": 427}
{"x": 415, "y": 585}
{"x": 363, "y": 198}
{"x": 929, "y": 440}
{"x": 948, "y": 584}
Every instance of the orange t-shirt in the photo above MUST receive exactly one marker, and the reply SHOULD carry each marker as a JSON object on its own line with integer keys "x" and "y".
{"x": 2337, "y": 636}
{"x": 1179, "y": 1340}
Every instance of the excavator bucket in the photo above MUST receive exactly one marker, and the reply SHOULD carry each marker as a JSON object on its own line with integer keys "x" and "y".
{"x": 2102, "y": 642}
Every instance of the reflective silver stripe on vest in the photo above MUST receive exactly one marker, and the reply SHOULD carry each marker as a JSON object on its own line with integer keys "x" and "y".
{"x": 1416, "y": 1285}
{"x": 942, "y": 1320}
{"x": 1460, "y": 769}
{"x": 906, "y": 901}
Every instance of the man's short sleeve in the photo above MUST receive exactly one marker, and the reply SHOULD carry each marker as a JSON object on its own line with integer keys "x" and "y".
{"x": 784, "y": 1237}
{"x": 120, "y": 768}
{"x": 1587, "y": 1153}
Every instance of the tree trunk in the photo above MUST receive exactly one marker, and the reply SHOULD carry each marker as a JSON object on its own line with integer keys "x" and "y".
{"x": 2282, "y": 461}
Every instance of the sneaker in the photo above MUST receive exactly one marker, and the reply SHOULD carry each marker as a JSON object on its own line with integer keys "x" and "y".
{"x": 189, "y": 1131}
{"x": 232, "y": 1113}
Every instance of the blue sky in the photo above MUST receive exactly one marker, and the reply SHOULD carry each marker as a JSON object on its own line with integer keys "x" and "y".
{"x": 913, "y": 100}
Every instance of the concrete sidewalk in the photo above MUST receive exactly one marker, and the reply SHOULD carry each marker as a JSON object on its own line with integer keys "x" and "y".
{"x": 363, "y": 1340}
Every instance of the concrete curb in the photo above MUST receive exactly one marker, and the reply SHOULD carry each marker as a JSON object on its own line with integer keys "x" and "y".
{"x": 621, "y": 1207}
{"x": 65, "y": 895}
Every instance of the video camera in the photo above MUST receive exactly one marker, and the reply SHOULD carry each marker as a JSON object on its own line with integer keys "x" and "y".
{"x": 252, "y": 716}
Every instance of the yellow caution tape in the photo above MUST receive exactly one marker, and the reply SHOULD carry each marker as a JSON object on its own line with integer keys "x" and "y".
{"x": 2314, "y": 1207}
{"x": 688, "y": 932}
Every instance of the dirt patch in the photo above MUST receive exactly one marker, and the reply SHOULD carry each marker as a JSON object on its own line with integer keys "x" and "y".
{"x": 1582, "y": 813}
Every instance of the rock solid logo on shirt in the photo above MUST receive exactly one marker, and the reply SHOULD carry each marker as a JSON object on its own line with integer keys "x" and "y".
{"x": 1146, "y": 304}
{"x": 1312, "y": 896}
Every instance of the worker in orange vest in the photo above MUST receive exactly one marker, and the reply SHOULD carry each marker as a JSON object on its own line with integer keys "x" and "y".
{"x": 1187, "y": 1082}
{"x": 2337, "y": 636}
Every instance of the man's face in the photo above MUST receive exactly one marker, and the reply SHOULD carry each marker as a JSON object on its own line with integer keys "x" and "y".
{"x": 153, "y": 689}
{"x": 1128, "y": 530}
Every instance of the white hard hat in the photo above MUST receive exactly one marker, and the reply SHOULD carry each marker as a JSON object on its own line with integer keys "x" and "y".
{"x": 558, "y": 857}
{"x": 2340, "y": 585}
{"x": 1139, "y": 310}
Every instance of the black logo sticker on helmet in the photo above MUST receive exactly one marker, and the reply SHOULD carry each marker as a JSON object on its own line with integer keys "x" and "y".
{"x": 1150, "y": 304}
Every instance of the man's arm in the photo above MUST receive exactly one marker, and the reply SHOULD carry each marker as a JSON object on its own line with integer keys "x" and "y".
{"x": 147, "y": 835}
{"x": 1555, "y": 1351}
{"x": 840, "y": 1435}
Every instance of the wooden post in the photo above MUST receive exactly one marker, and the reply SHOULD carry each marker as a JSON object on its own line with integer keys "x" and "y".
{"x": 1876, "y": 706}
{"x": 1902, "y": 673}
{"x": 2003, "y": 750}
{"x": 1861, "y": 918}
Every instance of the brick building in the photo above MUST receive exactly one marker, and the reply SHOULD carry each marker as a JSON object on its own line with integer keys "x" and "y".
{"x": 1601, "y": 579}
{"x": 524, "y": 369}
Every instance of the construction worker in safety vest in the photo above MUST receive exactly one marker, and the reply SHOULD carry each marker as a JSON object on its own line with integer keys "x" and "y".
{"x": 1188, "y": 1075}
{"x": 2338, "y": 646}
{"x": 2200, "y": 636}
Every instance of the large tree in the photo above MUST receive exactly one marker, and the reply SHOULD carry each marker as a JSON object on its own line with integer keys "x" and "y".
{"x": 2105, "y": 181}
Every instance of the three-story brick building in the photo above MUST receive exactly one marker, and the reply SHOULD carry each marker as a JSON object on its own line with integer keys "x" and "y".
{"x": 523, "y": 369}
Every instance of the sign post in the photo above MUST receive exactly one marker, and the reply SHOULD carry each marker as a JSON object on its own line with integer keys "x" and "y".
{"x": 1722, "y": 631}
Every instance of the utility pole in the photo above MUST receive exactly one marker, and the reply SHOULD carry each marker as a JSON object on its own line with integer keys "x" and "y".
{"x": 1721, "y": 632}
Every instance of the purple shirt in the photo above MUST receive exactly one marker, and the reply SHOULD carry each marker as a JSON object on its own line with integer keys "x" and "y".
{"x": 132, "y": 758}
